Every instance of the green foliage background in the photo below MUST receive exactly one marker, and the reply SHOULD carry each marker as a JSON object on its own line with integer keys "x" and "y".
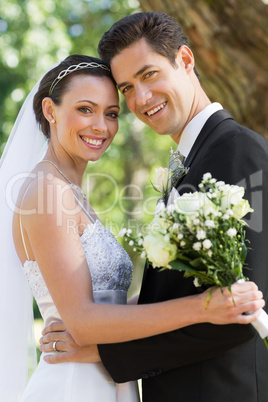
{"x": 35, "y": 34}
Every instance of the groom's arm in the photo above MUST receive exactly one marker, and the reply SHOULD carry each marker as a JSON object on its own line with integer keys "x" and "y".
{"x": 237, "y": 157}
{"x": 158, "y": 354}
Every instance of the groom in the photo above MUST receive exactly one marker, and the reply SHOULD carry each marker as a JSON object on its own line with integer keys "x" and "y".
{"x": 154, "y": 69}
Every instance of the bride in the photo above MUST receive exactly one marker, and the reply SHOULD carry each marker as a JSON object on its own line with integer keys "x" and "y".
{"x": 76, "y": 269}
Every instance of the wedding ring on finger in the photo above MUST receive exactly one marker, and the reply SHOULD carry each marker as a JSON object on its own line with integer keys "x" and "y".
{"x": 54, "y": 346}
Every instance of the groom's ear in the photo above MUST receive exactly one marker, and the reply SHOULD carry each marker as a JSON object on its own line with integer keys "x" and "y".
{"x": 185, "y": 57}
{"x": 48, "y": 108}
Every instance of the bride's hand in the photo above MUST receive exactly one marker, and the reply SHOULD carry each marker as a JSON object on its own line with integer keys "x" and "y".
{"x": 225, "y": 307}
{"x": 68, "y": 350}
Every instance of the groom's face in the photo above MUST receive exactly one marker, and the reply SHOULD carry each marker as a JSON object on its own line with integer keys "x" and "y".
{"x": 158, "y": 93}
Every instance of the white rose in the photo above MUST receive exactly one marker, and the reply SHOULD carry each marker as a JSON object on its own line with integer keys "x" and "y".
{"x": 159, "y": 252}
{"x": 231, "y": 195}
{"x": 162, "y": 180}
{"x": 189, "y": 203}
{"x": 241, "y": 209}
{"x": 209, "y": 208}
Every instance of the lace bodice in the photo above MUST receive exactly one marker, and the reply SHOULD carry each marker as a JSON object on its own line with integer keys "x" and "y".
{"x": 109, "y": 265}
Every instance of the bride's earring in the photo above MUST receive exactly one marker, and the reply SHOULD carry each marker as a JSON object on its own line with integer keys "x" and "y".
{"x": 52, "y": 121}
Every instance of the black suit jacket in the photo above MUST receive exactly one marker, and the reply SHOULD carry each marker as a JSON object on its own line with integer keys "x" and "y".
{"x": 206, "y": 362}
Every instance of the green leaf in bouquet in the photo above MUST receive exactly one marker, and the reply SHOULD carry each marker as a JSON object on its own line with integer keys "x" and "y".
{"x": 181, "y": 266}
{"x": 197, "y": 262}
{"x": 244, "y": 251}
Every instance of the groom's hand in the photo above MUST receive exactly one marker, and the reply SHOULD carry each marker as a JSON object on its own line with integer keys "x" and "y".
{"x": 68, "y": 350}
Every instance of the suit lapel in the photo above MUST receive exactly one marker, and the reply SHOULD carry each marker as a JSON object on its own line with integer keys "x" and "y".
{"x": 207, "y": 129}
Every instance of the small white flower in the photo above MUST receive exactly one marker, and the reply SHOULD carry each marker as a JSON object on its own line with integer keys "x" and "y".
{"x": 230, "y": 212}
{"x": 167, "y": 238}
{"x": 182, "y": 243}
{"x": 196, "y": 283}
{"x": 180, "y": 236}
{"x": 134, "y": 249}
{"x": 131, "y": 243}
{"x": 212, "y": 181}
{"x": 207, "y": 176}
{"x": 201, "y": 234}
{"x": 143, "y": 254}
{"x": 207, "y": 244}
{"x": 210, "y": 223}
{"x": 122, "y": 232}
{"x": 197, "y": 246}
{"x": 140, "y": 234}
{"x": 220, "y": 183}
{"x": 225, "y": 216}
{"x": 201, "y": 185}
{"x": 129, "y": 231}
{"x": 231, "y": 232}
{"x": 196, "y": 221}
{"x": 175, "y": 227}
{"x": 209, "y": 253}
{"x": 140, "y": 242}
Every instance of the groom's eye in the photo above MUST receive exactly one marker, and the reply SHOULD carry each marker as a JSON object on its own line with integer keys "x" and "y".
{"x": 149, "y": 74}
{"x": 124, "y": 90}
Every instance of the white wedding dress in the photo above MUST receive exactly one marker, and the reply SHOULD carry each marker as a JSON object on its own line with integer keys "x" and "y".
{"x": 111, "y": 271}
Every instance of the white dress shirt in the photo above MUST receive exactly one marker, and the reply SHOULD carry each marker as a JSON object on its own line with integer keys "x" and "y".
{"x": 193, "y": 128}
{"x": 190, "y": 134}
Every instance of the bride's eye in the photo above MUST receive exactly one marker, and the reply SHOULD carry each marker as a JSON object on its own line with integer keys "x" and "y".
{"x": 113, "y": 115}
{"x": 84, "y": 109}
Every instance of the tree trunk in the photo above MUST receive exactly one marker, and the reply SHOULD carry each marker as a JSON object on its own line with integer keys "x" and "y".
{"x": 229, "y": 39}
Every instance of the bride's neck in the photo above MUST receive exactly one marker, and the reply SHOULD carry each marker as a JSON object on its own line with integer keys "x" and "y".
{"x": 72, "y": 168}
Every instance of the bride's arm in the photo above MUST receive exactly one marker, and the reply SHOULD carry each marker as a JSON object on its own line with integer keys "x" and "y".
{"x": 57, "y": 248}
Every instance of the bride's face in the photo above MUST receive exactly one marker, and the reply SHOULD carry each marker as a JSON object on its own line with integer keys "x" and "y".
{"x": 87, "y": 118}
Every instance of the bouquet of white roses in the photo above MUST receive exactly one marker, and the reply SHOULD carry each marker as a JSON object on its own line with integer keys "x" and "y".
{"x": 202, "y": 234}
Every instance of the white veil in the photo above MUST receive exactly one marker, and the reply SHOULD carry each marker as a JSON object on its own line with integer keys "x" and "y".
{"x": 25, "y": 148}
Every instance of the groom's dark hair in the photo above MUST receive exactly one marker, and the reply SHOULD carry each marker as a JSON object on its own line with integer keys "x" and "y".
{"x": 161, "y": 32}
